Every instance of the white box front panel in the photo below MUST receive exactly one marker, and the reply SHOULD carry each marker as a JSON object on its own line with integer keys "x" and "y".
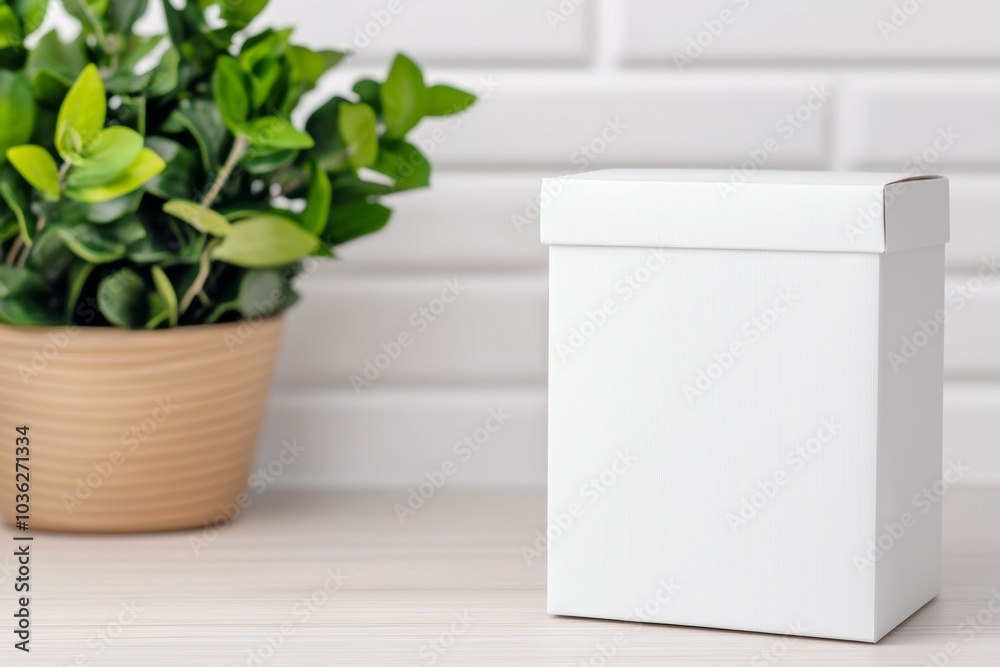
{"x": 739, "y": 502}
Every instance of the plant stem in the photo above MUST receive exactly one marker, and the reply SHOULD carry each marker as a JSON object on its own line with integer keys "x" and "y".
{"x": 141, "y": 122}
{"x": 95, "y": 24}
{"x": 15, "y": 248}
{"x": 23, "y": 259}
{"x": 63, "y": 170}
{"x": 199, "y": 282}
{"x": 240, "y": 147}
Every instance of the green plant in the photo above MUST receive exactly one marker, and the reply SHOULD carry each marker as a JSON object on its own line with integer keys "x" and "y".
{"x": 159, "y": 181}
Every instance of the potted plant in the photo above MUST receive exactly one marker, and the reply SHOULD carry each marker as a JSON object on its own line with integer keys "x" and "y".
{"x": 158, "y": 203}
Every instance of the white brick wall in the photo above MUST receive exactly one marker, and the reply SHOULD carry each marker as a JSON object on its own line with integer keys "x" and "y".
{"x": 584, "y": 84}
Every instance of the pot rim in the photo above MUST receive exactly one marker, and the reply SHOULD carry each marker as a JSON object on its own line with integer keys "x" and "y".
{"x": 88, "y": 330}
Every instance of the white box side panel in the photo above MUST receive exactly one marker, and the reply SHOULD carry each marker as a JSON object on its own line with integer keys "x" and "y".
{"x": 916, "y": 214}
{"x": 906, "y": 549}
{"x": 728, "y": 495}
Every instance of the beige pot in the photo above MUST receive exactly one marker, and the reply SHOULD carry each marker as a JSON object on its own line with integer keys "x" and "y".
{"x": 133, "y": 430}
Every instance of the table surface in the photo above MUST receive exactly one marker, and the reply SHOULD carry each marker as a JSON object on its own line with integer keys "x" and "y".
{"x": 317, "y": 577}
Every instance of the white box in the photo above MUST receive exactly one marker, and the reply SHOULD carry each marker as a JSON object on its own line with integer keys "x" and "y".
{"x": 745, "y": 398}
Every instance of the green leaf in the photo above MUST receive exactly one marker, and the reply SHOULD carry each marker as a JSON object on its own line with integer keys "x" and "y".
{"x": 166, "y": 290}
{"x": 404, "y": 98}
{"x": 198, "y": 43}
{"x": 317, "y": 211}
{"x": 79, "y": 273}
{"x": 32, "y": 13}
{"x": 123, "y": 14}
{"x": 265, "y": 241}
{"x": 8, "y": 226}
{"x": 264, "y": 161}
{"x": 37, "y": 167}
{"x": 347, "y": 187}
{"x": 203, "y": 219}
{"x": 12, "y": 191}
{"x": 273, "y": 132}
{"x": 28, "y": 310}
{"x": 101, "y": 244}
{"x": 121, "y": 298}
{"x": 88, "y": 12}
{"x": 18, "y": 280}
{"x": 259, "y": 59}
{"x": 240, "y": 14}
{"x": 404, "y": 164}
{"x": 17, "y": 111}
{"x": 357, "y": 126}
{"x": 158, "y": 310}
{"x": 355, "y": 219}
{"x": 369, "y": 92}
{"x": 82, "y": 115}
{"x": 309, "y": 66}
{"x": 263, "y": 82}
{"x": 165, "y": 77}
{"x": 159, "y": 81}
{"x": 114, "y": 151}
{"x": 202, "y": 120}
{"x": 99, "y": 213}
{"x": 229, "y": 86}
{"x": 183, "y": 169}
{"x": 49, "y": 87}
{"x": 53, "y": 65}
{"x": 264, "y": 293}
{"x": 49, "y": 256}
{"x": 446, "y": 101}
{"x": 10, "y": 28}
{"x": 330, "y": 149}
{"x": 137, "y": 50}
{"x": 146, "y": 166}
{"x": 165, "y": 247}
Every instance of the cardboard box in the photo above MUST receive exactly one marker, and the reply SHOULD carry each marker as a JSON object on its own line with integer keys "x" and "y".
{"x": 745, "y": 398}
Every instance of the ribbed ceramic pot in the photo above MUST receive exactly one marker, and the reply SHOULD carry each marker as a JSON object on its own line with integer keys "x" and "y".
{"x": 133, "y": 430}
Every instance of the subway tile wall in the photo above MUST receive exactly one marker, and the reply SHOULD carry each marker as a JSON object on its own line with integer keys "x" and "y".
{"x": 572, "y": 85}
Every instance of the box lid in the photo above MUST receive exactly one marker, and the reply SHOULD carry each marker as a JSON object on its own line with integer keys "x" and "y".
{"x": 773, "y": 210}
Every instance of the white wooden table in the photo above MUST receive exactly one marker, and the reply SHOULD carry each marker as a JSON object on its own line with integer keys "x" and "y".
{"x": 334, "y": 578}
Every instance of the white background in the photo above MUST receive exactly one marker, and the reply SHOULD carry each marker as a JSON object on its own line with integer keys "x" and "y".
{"x": 560, "y": 76}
